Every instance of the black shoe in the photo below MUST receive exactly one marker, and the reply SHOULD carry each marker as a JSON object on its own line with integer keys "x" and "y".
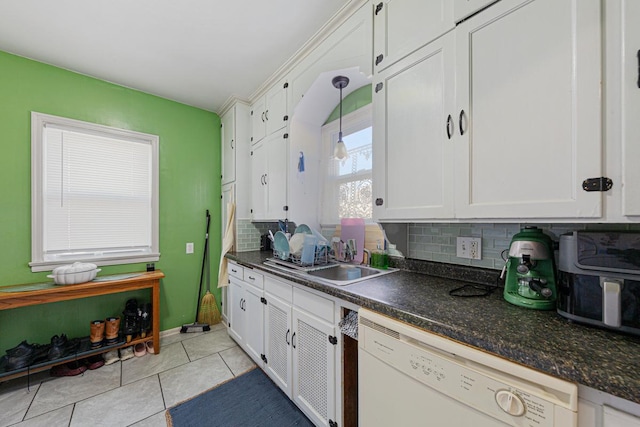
{"x": 25, "y": 355}
{"x": 58, "y": 347}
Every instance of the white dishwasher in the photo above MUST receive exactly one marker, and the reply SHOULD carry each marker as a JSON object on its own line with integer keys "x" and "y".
{"x": 410, "y": 377}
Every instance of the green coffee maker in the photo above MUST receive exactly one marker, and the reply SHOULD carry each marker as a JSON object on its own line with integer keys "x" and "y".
{"x": 531, "y": 271}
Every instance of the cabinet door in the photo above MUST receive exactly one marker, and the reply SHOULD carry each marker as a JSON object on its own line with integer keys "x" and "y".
{"x": 314, "y": 367}
{"x": 630, "y": 107}
{"x": 528, "y": 105}
{"x": 258, "y": 121}
{"x": 254, "y": 323}
{"x": 236, "y": 310}
{"x": 403, "y": 26}
{"x": 228, "y": 147}
{"x": 412, "y": 139}
{"x": 277, "y": 342}
{"x": 276, "y": 108}
{"x": 277, "y": 155}
{"x": 258, "y": 181}
{"x": 465, "y": 8}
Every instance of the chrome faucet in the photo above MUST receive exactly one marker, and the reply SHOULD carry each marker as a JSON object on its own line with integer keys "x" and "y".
{"x": 350, "y": 250}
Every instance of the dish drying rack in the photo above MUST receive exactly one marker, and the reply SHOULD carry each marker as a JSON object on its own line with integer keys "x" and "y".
{"x": 320, "y": 257}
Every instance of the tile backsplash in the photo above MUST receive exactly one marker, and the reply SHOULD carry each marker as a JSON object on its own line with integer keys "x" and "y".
{"x": 437, "y": 242}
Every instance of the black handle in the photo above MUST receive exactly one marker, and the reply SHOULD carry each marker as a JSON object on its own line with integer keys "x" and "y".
{"x": 232, "y": 144}
{"x": 265, "y": 179}
{"x": 293, "y": 337}
{"x": 240, "y": 303}
{"x": 286, "y": 338}
{"x": 638, "y": 54}
{"x": 449, "y": 126}
{"x": 460, "y": 122}
{"x": 266, "y": 115}
{"x": 263, "y": 117}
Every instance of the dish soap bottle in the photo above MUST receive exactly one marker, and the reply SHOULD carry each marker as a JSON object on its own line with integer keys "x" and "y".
{"x": 379, "y": 258}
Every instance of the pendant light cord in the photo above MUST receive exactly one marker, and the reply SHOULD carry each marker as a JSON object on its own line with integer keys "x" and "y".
{"x": 340, "y": 134}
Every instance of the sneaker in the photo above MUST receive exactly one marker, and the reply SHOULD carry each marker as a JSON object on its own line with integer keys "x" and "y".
{"x": 111, "y": 357}
{"x": 126, "y": 353}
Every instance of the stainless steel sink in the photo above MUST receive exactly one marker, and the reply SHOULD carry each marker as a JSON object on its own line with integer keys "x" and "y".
{"x": 346, "y": 274}
{"x": 334, "y": 273}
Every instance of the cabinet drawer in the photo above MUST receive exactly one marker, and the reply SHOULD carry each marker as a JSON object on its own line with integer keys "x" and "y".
{"x": 254, "y": 278}
{"x": 235, "y": 270}
{"x": 314, "y": 304}
{"x": 278, "y": 289}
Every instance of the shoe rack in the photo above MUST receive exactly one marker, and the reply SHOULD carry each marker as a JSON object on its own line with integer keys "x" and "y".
{"x": 54, "y": 293}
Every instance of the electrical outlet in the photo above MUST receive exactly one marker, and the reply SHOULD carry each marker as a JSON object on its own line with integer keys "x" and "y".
{"x": 469, "y": 247}
{"x": 190, "y": 248}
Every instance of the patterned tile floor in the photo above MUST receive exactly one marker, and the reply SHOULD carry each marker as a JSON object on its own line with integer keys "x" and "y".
{"x": 135, "y": 392}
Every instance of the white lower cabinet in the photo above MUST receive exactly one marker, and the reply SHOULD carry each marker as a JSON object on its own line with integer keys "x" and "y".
{"x": 300, "y": 347}
{"x": 277, "y": 341}
{"x": 245, "y": 312}
{"x": 313, "y": 367}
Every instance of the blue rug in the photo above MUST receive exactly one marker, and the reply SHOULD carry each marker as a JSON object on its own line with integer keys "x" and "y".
{"x": 251, "y": 400}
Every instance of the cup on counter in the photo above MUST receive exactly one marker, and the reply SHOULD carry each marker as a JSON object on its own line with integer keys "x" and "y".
{"x": 309, "y": 249}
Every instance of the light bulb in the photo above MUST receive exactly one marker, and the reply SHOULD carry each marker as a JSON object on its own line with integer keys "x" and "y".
{"x": 340, "y": 152}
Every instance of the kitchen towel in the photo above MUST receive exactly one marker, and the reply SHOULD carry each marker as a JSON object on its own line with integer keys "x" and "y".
{"x": 227, "y": 245}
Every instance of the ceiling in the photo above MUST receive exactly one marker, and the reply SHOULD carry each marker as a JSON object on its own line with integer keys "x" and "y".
{"x": 198, "y": 52}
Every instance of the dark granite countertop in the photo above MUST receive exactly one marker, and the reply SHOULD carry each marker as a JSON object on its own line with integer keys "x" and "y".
{"x": 543, "y": 340}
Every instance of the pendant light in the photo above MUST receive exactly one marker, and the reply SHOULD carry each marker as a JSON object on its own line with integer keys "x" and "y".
{"x": 340, "y": 151}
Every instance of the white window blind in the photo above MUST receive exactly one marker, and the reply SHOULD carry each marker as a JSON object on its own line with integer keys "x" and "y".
{"x": 95, "y": 198}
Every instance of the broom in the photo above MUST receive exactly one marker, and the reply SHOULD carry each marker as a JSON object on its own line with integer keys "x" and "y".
{"x": 195, "y": 326}
{"x": 209, "y": 312}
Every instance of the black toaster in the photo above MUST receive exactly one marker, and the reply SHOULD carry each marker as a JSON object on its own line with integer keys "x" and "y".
{"x": 599, "y": 279}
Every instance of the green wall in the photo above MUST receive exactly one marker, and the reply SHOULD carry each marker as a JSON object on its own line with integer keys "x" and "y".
{"x": 355, "y": 100}
{"x": 189, "y": 184}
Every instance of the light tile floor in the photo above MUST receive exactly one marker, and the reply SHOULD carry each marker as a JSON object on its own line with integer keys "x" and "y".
{"x": 136, "y": 392}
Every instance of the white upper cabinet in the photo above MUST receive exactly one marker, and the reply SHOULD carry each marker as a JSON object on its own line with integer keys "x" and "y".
{"x": 269, "y": 113}
{"x": 403, "y": 26}
{"x": 269, "y": 160}
{"x": 498, "y": 119}
{"x": 228, "y": 144}
{"x": 234, "y": 140}
{"x": 528, "y": 111}
{"x": 465, "y": 8}
{"x": 413, "y": 135}
{"x": 630, "y": 92}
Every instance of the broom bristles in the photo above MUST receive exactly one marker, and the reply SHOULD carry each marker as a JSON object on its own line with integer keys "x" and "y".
{"x": 209, "y": 312}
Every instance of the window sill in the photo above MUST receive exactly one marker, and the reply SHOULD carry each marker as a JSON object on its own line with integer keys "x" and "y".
{"x": 38, "y": 266}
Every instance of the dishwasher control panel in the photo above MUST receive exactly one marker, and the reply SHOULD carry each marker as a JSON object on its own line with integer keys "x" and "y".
{"x": 494, "y": 392}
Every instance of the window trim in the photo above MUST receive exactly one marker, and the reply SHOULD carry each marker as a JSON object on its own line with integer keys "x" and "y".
{"x": 355, "y": 121}
{"x": 38, "y": 123}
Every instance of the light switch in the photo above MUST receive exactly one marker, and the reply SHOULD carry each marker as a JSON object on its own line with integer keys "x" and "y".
{"x": 190, "y": 248}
